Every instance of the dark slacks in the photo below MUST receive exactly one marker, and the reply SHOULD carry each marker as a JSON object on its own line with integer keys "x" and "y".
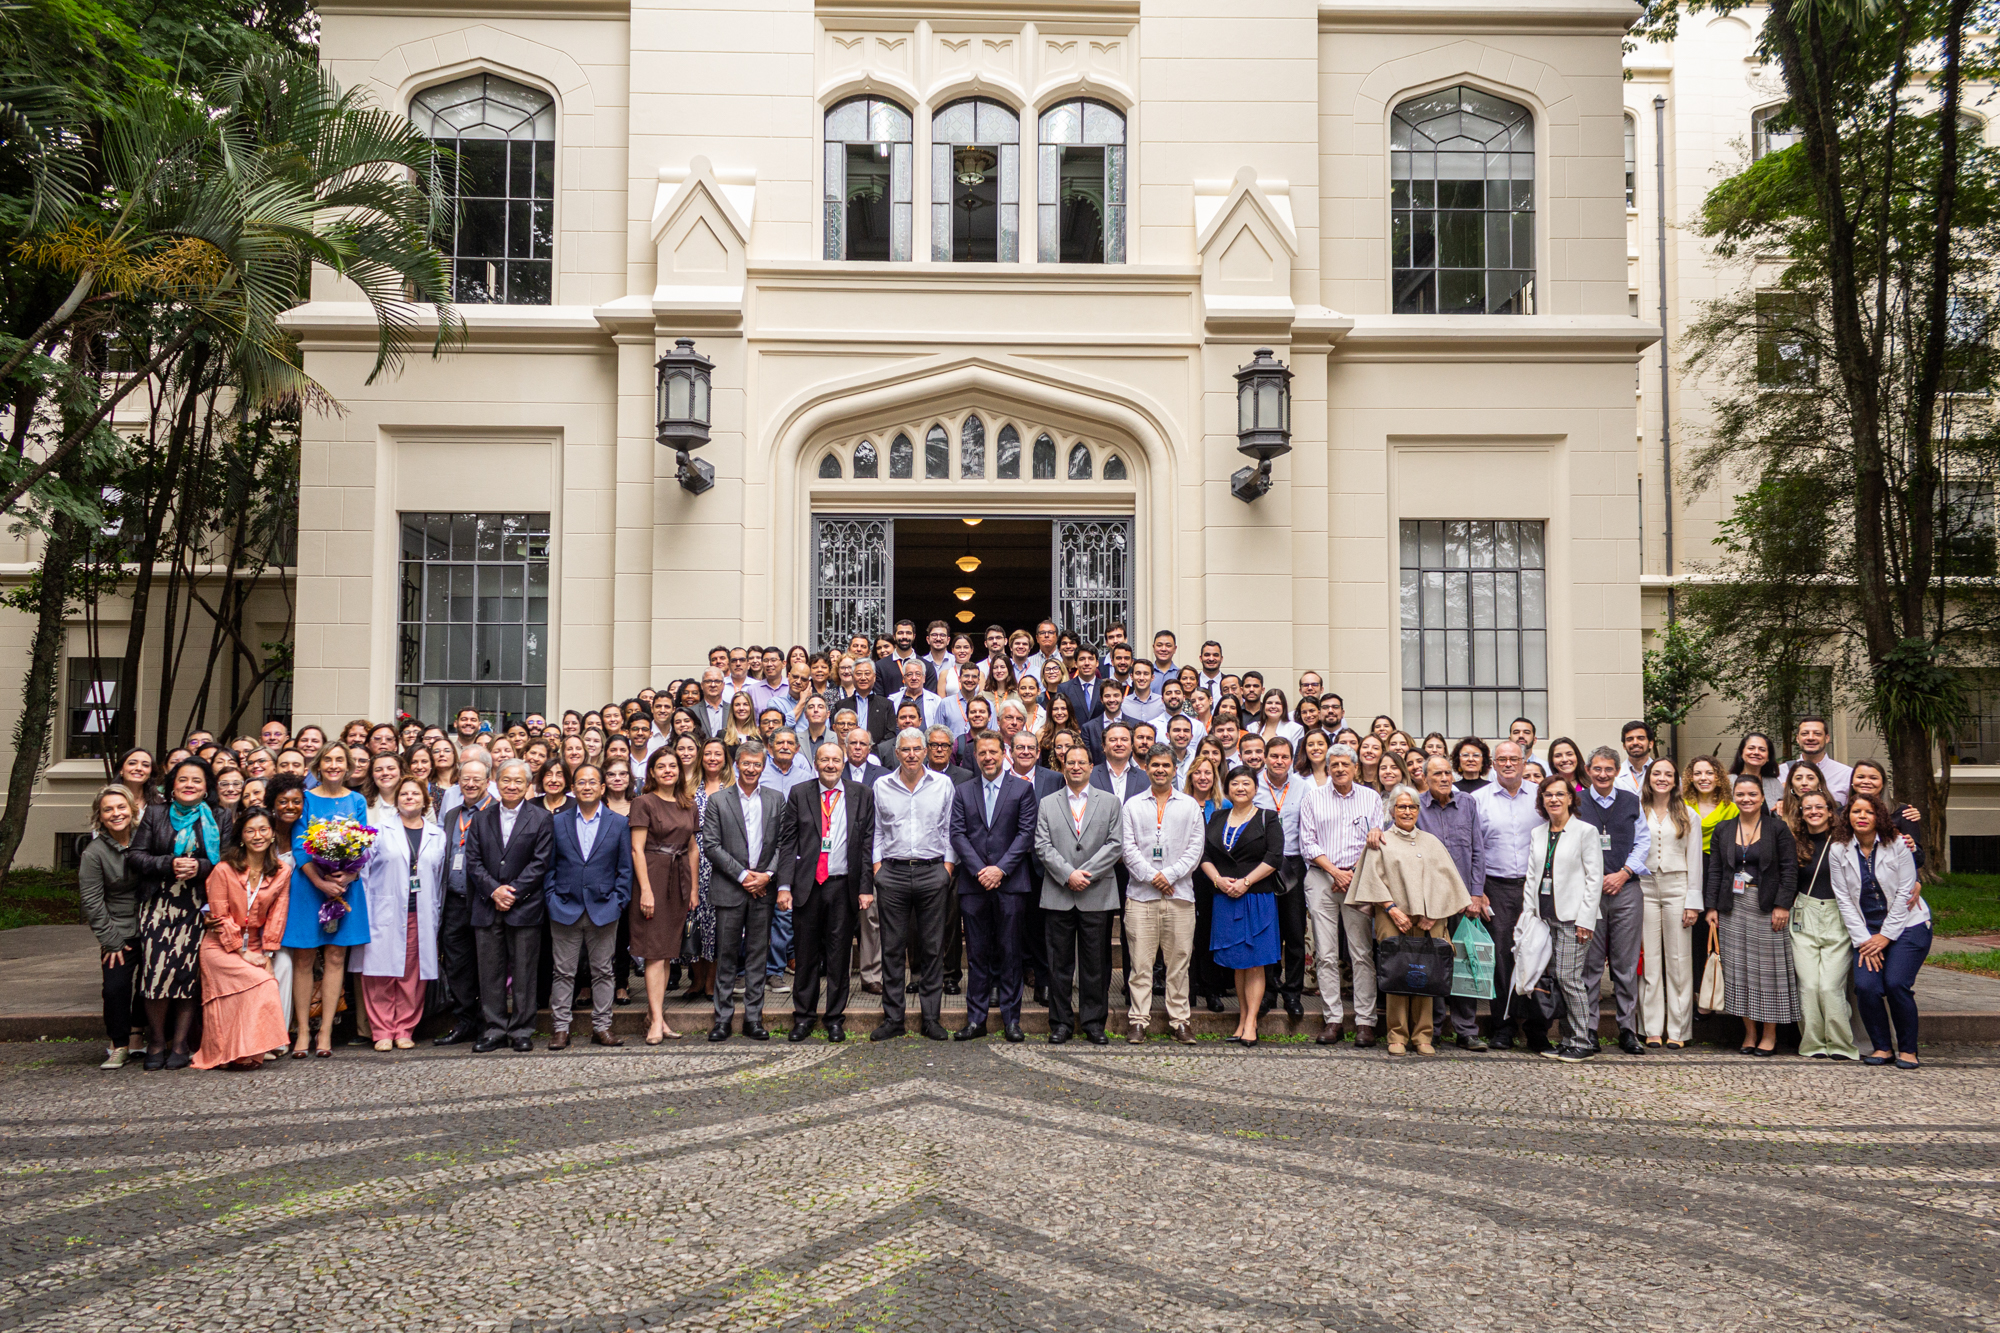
{"x": 1079, "y": 954}
{"x": 911, "y": 898}
{"x": 822, "y": 937}
{"x": 1034, "y": 936}
{"x": 1287, "y": 976}
{"x": 993, "y": 951}
{"x": 953, "y": 949}
{"x": 1204, "y": 977}
{"x": 1888, "y": 996}
{"x": 749, "y": 921}
{"x": 458, "y": 958}
{"x": 118, "y": 995}
{"x": 1506, "y": 896}
{"x": 508, "y": 954}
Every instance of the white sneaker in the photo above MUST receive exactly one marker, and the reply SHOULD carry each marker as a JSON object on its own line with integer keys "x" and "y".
{"x": 778, "y": 983}
{"x": 115, "y": 1057}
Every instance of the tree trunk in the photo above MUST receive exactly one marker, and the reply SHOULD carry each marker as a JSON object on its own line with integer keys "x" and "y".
{"x": 38, "y": 691}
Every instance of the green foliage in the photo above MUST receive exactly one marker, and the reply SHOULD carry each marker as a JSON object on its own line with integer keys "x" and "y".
{"x": 1910, "y": 689}
{"x": 1677, "y": 675}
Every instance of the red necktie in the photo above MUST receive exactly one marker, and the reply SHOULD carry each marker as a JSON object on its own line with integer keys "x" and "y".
{"x": 826, "y": 798}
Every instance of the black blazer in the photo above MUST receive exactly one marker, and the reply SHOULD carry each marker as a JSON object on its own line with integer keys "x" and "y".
{"x": 150, "y": 856}
{"x": 874, "y": 714}
{"x": 522, "y": 861}
{"x": 1773, "y": 863}
{"x": 1262, "y": 842}
{"x": 798, "y": 840}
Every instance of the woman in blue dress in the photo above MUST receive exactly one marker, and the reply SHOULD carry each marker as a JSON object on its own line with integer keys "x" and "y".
{"x": 1243, "y": 848}
{"x": 311, "y": 888}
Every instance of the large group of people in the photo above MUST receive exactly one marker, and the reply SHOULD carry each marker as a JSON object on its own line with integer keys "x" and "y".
{"x": 945, "y": 821}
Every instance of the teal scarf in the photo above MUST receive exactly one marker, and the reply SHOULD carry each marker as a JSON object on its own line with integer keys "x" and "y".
{"x": 195, "y": 821}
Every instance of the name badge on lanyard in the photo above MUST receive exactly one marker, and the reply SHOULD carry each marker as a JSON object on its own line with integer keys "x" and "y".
{"x": 1159, "y": 834}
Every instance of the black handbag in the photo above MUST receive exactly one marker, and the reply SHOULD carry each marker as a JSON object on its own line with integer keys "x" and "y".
{"x": 1413, "y": 965}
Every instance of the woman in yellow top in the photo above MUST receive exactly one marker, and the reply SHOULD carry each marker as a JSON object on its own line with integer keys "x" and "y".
{"x": 1706, "y": 789}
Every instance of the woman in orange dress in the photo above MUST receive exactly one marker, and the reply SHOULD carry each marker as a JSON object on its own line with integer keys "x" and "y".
{"x": 242, "y": 1018}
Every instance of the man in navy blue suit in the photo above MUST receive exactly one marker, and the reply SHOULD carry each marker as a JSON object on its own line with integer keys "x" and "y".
{"x": 589, "y": 885}
{"x": 992, "y": 833}
{"x": 1085, "y": 691}
{"x": 1025, "y": 758}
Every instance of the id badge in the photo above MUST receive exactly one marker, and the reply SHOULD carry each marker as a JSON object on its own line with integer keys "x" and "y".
{"x": 826, "y": 844}
{"x": 1159, "y": 854}
{"x": 1604, "y": 841}
{"x": 1740, "y": 883}
{"x": 458, "y": 863}
{"x": 415, "y": 885}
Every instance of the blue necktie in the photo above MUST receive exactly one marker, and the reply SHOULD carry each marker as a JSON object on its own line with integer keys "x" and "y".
{"x": 992, "y": 795}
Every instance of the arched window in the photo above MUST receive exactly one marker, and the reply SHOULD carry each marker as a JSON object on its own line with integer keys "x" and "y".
{"x": 1462, "y": 201}
{"x": 1045, "y": 458}
{"x": 1772, "y": 130}
{"x": 972, "y": 448}
{"x": 976, "y": 182}
{"x": 498, "y": 232}
{"x": 1007, "y": 467}
{"x": 867, "y": 204}
{"x": 937, "y": 455}
{"x": 1079, "y": 462}
{"x": 1114, "y": 468}
{"x": 1631, "y": 162}
{"x": 866, "y": 464}
{"x": 1081, "y": 189}
{"x": 829, "y": 467}
{"x": 902, "y": 459}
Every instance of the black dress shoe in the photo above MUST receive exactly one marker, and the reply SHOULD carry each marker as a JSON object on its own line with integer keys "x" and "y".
{"x": 524, "y": 1044}
{"x": 1501, "y": 1041}
{"x": 485, "y": 1044}
{"x": 910, "y": 989}
{"x": 1295, "y": 1006}
{"x": 1267, "y": 1004}
{"x": 459, "y": 1032}
{"x": 1097, "y": 1037}
{"x": 756, "y": 1032}
{"x": 950, "y": 986}
{"x": 801, "y": 1029}
{"x": 970, "y": 1032}
{"x": 886, "y": 1031}
{"x": 1041, "y": 995}
{"x": 157, "y": 1060}
{"x": 1059, "y": 1034}
{"x": 720, "y": 1032}
{"x": 836, "y": 1032}
{"x": 1472, "y": 1043}
{"x": 1013, "y": 1032}
{"x": 182, "y": 1059}
{"x": 935, "y": 1031}
{"x": 1628, "y": 1042}
{"x": 1215, "y": 1004}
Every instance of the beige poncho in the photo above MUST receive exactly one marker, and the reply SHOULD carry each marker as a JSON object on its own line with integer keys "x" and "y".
{"x": 1412, "y": 870}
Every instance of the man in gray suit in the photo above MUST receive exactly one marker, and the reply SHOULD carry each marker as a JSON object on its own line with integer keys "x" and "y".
{"x": 1076, "y": 841}
{"x": 740, "y": 839}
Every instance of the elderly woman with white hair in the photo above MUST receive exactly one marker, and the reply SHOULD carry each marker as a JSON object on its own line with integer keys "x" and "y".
{"x": 1412, "y": 887}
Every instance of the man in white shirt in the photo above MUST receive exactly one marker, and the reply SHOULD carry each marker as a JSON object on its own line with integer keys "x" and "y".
{"x": 739, "y": 673}
{"x": 1335, "y": 822}
{"x": 1637, "y": 741}
{"x": 1161, "y": 844}
{"x": 1813, "y": 738}
{"x": 937, "y": 638}
{"x": 1046, "y": 634}
{"x": 913, "y": 691}
{"x": 1281, "y": 792}
{"x": 1509, "y": 812}
{"x": 913, "y": 874}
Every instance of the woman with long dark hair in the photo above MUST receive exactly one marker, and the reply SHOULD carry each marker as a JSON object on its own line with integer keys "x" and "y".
{"x": 309, "y": 940}
{"x": 1756, "y": 756}
{"x": 177, "y": 845}
{"x": 665, "y": 846}
{"x": 1875, "y": 881}
{"x": 1821, "y": 952}
{"x": 242, "y": 1018}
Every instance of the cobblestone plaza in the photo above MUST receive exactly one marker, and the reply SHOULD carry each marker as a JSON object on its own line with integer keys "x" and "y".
{"x": 999, "y": 1187}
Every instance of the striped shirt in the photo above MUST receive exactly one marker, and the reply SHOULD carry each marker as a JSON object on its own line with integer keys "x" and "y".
{"x": 1337, "y": 826}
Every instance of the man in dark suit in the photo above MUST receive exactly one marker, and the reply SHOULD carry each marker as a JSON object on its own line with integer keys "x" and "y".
{"x": 871, "y": 709}
{"x": 739, "y": 837}
{"x": 589, "y": 886}
{"x": 992, "y": 832}
{"x": 1112, "y": 711}
{"x": 1025, "y": 763}
{"x": 861, "y": 764}
{"x": 908, "y": 716}
{"x": 507, "y": 859}
{"x": 712, "y": 713}
{"x": 826, "y": 837}
{"x": 939, "y": 748}
{"x": 1084, "y": 690}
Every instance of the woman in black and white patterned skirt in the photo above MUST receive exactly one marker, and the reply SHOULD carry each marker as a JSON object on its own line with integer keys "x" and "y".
{"x": 176, "y": 846}
{"x": 1749, "y": 883}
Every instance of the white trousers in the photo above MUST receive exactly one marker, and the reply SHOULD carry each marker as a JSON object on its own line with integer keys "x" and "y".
{"x": 1666, "y": 989}
{"x": 1327, "y": 908}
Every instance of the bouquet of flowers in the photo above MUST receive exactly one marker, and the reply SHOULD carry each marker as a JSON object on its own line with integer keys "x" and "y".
{"x": 338, "y": 846}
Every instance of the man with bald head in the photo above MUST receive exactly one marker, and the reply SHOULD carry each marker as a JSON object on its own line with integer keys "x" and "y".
{"x": 1509, "y": 813}
{"x": 825, "y": 845}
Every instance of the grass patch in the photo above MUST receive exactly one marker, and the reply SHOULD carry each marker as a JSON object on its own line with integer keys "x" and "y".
{"x": 1961, "y": 904}
{"x": 35, "y": 897}
{"x": 1985, "y": 964}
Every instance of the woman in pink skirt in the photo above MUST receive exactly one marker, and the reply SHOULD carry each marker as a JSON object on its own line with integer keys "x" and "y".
{"x": 401, "y": 883}
{"x": 242, "y": 1019}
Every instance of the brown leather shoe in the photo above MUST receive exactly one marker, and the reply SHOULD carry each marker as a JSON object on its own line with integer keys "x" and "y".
{"x": 1183, "y": 1033}
{"x": 1135, "y": 1034}
{"x": 600, "y": 1038}
{"x": 559, "y": 1042}
{"x": 1329, "y": 1035}
{"x": 871, "y": 988}
{"x": 1364, "y": 1036}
